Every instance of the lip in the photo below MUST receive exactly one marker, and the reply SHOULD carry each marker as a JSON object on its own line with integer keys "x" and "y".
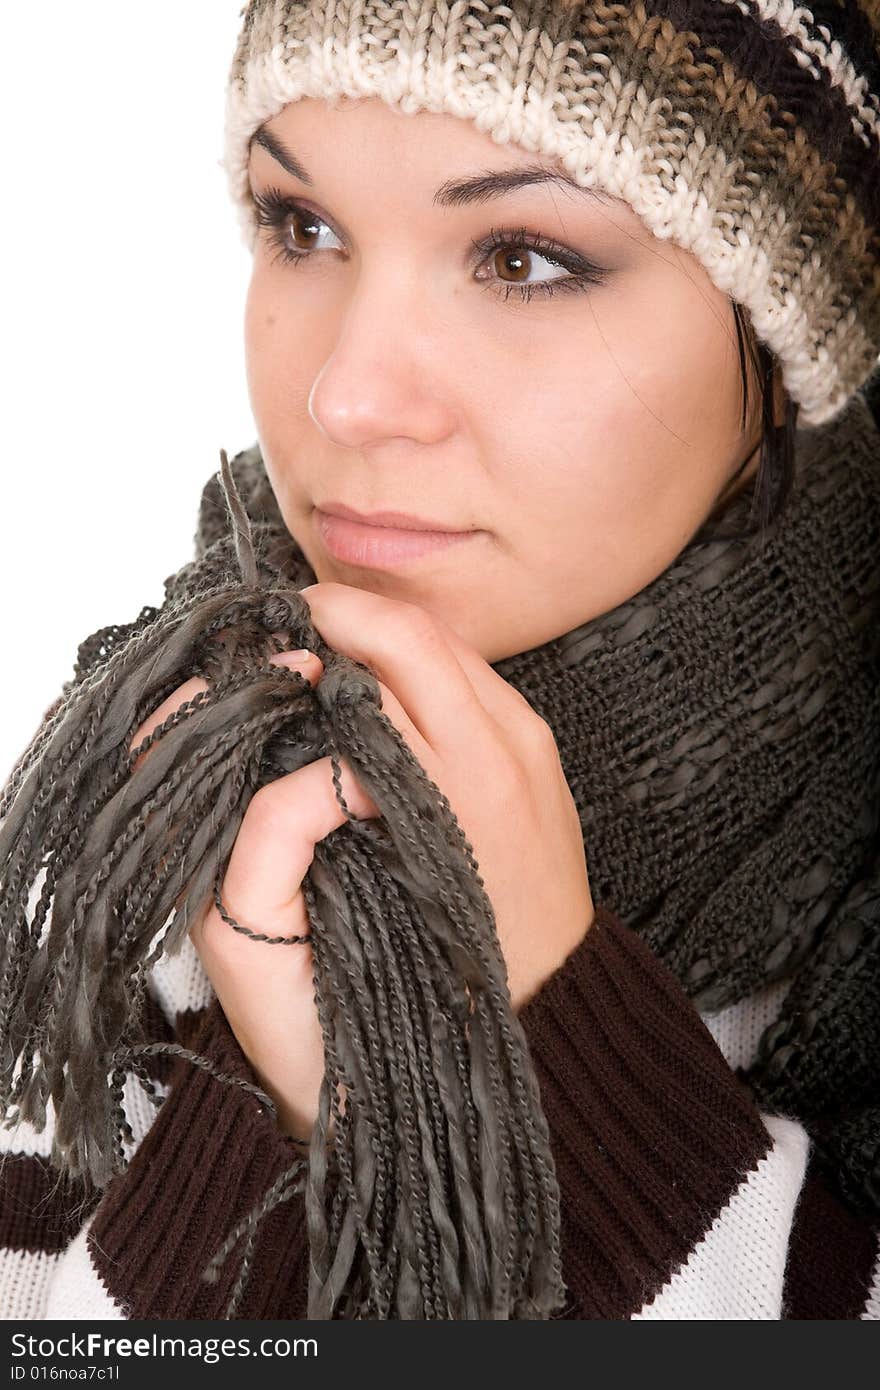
{"x": 398, "y": 521}
{"x": 376, "y": 546}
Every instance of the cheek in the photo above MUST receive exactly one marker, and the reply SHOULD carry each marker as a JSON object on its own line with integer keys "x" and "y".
{"x": 622, "y": 464}
{"x": 279, "y": 371}
{"x": 260, "y": 328}
{"x": 665, "y": 411}
{"x": 675, "y": 343}
{"x": 264, "y": 331}
{"x": 279, "y": 377}
{"x": 587, "y": 445}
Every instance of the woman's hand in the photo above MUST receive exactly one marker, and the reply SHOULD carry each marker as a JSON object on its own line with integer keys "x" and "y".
{"x": 494, "y": 759}
{"x": 492, "y": 756}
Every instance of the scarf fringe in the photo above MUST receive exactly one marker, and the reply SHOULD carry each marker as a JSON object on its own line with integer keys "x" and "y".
{"x": 451, "y": 1205}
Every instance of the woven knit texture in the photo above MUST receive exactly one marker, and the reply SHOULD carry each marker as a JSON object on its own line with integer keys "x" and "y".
{"x": 746, "y": 131}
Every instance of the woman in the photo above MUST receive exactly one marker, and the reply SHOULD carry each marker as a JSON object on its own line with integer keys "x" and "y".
{"x": 526, "y": 462}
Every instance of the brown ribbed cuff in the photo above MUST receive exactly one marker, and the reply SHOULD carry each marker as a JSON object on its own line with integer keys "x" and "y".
{"x": 212, "y": 1151}
{"x": 650, "y": 1129}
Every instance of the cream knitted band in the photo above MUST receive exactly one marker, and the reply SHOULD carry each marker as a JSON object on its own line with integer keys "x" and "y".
{"x": 746, "y": 131}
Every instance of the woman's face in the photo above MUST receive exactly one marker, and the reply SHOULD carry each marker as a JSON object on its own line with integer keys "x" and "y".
{"x": 580, "y": 436}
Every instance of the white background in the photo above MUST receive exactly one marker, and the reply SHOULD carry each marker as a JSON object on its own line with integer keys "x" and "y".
{"x": 123, "y": 283}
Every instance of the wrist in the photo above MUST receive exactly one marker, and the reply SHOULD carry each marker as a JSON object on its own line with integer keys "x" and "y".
{"x": 298, "y": 1123}
{"x": 566, "y": 947}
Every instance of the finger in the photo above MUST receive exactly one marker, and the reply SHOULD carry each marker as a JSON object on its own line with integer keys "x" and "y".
{"x": 311, "y": 667}
{"x": 394, "y": 711}
{"x": 178, "y": 697}
{"x": 502, "y": 701}
{"x": 308, "y": 664}
{"x": 390, "y": 706}
{"x": 407, "y": 650}
{"x": 276, "y": 842}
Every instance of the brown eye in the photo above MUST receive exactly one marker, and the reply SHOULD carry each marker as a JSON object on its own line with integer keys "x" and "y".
{"x": 511, "y": 264}
{"x": 293, "y": 230}
{"x": 514, "y": 263}
{"x": 507, "y": 256}
{"x": 306, "y": 229}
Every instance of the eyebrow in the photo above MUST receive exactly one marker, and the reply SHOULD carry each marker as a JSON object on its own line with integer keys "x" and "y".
{"x": 454, "y": 193}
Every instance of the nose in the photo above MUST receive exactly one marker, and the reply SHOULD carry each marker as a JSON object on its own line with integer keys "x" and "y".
{"x": 384, "y": 378}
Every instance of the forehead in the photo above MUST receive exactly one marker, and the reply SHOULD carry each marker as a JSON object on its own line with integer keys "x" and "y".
{"x": 312, "y": 139}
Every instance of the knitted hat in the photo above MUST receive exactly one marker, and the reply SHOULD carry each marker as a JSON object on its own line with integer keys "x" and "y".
{"x": 746, "y": 131}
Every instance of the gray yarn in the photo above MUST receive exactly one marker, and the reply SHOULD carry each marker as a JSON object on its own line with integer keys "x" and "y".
{"x": 451, "y": 1205}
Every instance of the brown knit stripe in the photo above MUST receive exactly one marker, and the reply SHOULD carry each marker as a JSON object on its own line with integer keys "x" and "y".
{"x": 848, "y": 21}
{"x": 872, "y": 12}
{"x": 279, "y": 1278}
{"x": 188, "y": 1023}
{"x": 831, "y": 1257}
{"x": 766, "y": 55}
{"x": 155, "y": 1028}
{"x": 41, "y": 1208}
{"x": 210, "y": 1154}
{"x": 768, "y": 161}
{"x": 652, "y": 1131}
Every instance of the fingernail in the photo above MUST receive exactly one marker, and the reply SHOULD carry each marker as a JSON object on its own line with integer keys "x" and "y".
{"x": 297, "y": 658}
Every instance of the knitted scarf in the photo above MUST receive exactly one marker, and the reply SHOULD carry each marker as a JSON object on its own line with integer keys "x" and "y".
{"x": 720, "y": 732}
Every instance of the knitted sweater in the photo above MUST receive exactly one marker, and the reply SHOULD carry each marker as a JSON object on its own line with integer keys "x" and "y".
{"x": 679, "y": 1198}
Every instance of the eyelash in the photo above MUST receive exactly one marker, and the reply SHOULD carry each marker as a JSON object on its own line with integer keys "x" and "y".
{"x": 274, "y": 208}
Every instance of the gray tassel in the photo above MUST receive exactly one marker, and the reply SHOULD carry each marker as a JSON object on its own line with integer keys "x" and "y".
{"x": 450, "y": 1205}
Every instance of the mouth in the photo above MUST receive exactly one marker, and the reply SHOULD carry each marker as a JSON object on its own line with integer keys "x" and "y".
{"x": 381, "y": 544}
{"x": 398, "y": 521}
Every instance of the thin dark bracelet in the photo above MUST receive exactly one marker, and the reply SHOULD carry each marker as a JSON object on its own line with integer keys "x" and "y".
{"x": 246, "y": 931}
